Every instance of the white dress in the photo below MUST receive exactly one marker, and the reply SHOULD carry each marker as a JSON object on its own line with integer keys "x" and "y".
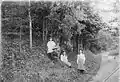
{"x": 65, "y": 60}
{"x": 81, "y": 61}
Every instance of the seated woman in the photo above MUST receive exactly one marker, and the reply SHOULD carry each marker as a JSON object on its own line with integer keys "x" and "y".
{"x": 64, "y": 59}
{"x": 51, "y": 45}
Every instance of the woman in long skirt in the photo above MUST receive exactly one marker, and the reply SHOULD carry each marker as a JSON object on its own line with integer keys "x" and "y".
{"x": 81, "y": 62}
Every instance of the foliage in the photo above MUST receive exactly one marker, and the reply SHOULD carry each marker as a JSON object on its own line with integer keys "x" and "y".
{"x": 63, "y": 20}
{"x": 68, "y": 21}
{"x": 77, "y": 21}
{"x": 14, "y": 17}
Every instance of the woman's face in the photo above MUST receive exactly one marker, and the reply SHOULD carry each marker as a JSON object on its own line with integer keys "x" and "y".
{"x": 50, "y": 39}
{"x": 80, "y": 51}
{"x": 63, "y": 52}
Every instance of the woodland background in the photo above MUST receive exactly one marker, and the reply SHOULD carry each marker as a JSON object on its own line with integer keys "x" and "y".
{"x": 72, "y": 24}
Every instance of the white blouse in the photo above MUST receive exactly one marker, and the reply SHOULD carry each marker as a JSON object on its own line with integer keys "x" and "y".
{"x": 51, "y": 45}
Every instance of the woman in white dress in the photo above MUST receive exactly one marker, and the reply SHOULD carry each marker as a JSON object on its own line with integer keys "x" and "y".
{"x": 65, "y": 59}
{"x": 81, "y": 61}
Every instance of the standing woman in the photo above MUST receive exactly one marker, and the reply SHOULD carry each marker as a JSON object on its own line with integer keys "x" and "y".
{"x": 81, "y": 61}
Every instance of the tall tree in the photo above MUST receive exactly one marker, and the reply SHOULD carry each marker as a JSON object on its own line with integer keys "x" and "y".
{"x": 0, "y": 39}
{"x": 30, "y": 24}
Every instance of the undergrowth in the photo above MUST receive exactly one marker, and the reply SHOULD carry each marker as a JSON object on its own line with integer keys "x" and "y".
{"x": 34, "y": 66}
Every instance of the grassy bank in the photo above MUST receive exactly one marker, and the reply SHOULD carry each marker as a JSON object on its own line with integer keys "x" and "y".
{"x": 34, "y": 66}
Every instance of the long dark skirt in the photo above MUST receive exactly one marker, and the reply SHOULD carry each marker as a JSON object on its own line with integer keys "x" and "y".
{"x": 52, "y": 56}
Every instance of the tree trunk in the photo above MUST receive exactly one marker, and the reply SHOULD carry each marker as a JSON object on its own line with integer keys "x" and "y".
{"x": 20, "y": 39}
{"x": 0, "y": 40}
{"x": 75, "y": 43}
{"x": 43, "y": 30}
{"x": 30, "y": 24}
{"x": 46, "y": 31}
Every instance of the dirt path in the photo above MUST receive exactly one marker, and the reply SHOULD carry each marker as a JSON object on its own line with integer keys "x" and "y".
{"x": 108, "y": 65}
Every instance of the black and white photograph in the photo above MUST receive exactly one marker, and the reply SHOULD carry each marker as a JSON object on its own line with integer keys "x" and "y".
{"x": 59, "y": 40}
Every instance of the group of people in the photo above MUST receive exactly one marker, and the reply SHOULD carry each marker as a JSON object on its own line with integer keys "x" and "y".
{"x": 53, "y": 52}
